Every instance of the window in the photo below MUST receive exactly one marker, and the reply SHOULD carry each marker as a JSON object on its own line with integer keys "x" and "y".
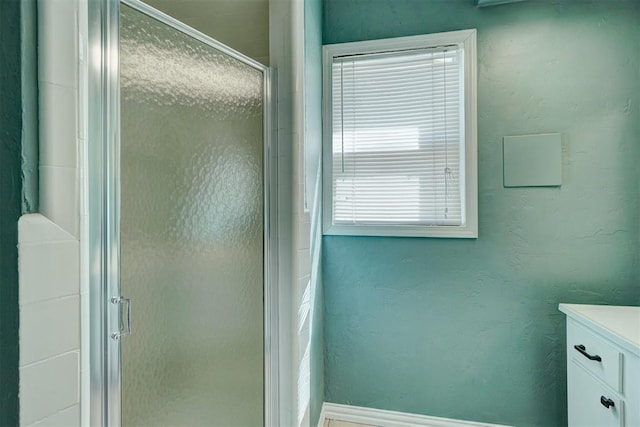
{"x": 400, "y": 151}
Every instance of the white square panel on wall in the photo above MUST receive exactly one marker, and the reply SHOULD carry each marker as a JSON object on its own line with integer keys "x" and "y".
{"x": 533, "y": 160}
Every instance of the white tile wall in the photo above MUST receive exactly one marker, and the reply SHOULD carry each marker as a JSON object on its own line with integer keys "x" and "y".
{"x": 304, "y": 236}
{"x": 286, "y": 55}
{"x": 49, "y": 243}
{"x": 280, "y": 58}
{"x": 58, "y": 65}
{"x": 60, "y": 128}
{"x": 48, "y": 270}
{"x": 57, "y": 42}
{"x": 59, "y": 194}
{"x": 49, "y": 298}
{"x": 36, "y": 229}
{"x": 304, "y": 260}
{"x": 65, "y": 418}
{"x": 49, "y": 328}
{"x": 48, "y": 387}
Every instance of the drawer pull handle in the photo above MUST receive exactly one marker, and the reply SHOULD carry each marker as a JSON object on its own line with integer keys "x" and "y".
{"x": 607, "y": 403}
{"x": 582, "y": 349}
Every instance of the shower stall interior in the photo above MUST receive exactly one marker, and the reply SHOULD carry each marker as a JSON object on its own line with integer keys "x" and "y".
{"x": 179, "y": 225}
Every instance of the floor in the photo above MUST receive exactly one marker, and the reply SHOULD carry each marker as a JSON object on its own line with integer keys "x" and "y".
{"x": 338, "y": 423}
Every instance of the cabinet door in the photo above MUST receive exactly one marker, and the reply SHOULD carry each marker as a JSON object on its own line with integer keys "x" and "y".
{"x": 607, "y": 367}
{"x": 589, "y": 398}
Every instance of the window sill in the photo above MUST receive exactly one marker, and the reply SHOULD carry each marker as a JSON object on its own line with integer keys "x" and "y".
{"x": 436, "y": 231}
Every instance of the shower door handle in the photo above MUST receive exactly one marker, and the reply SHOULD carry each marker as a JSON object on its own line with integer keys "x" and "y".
{"x": 125, "y": 331}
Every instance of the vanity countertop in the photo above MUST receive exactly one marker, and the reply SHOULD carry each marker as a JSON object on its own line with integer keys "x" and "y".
{"x": 621, "y": 324}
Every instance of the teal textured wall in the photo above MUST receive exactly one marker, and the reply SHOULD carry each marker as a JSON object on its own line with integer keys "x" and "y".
{"x": 10, "y": 205}
{"x": 313, "y": 148}
{"x": 29, "y": 75}
{"x": 470, "y": 329}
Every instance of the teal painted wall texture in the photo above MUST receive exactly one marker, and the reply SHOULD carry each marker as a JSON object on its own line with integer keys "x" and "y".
{"x": 10, "y": 205}
{"x": 29, "y": 76}
{"x": 469, "y": 329}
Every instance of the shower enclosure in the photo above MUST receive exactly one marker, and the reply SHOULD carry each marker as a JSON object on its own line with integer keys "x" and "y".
{"x": 180, "y": 252}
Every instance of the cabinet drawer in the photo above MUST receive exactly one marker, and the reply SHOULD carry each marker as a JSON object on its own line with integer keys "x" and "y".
{"x": 588, "y": 400}
{"x": 583, "y": 346}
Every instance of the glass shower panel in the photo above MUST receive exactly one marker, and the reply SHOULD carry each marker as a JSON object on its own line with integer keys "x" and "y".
{"x": 191, "y": 230}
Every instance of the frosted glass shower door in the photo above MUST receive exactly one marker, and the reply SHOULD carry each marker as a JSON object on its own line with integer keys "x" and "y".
{"x": 192, "y": 216}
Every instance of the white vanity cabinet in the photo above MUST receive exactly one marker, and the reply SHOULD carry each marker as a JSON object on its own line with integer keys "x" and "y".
{"x": 603, "y": 365}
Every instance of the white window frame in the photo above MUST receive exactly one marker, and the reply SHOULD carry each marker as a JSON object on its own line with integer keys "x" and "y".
{"x": 466, "y": 38}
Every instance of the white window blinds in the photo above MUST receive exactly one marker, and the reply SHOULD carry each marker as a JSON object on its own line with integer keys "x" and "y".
{"x": 398, "y": 138}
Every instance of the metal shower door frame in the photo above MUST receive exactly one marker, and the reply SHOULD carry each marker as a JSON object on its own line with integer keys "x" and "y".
{"x": 104, "y": 211}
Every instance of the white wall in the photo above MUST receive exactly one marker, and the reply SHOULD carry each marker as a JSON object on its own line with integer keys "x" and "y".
{"x": 50, "y": 243}
{"x": 280, "y": 59}
{"x": 298, "y": 280}
{"x": 49, "y": 322}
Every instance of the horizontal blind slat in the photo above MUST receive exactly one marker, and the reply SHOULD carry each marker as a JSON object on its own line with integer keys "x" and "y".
{"x": 397, "y": 138}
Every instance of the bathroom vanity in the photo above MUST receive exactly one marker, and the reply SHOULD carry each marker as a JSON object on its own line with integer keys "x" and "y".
{"x": 603, "y": 365}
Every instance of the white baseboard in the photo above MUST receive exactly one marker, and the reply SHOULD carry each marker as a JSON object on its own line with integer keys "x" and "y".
{"x": 383, "y": 418}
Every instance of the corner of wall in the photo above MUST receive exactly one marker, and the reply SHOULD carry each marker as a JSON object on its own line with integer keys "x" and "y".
{"x": 312, "y": 108}
{"x": 280, "y": 60}
{"x": 299, "y": 273}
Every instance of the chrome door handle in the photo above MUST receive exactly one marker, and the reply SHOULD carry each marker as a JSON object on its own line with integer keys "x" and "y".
{"x": 126, "y": 330}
